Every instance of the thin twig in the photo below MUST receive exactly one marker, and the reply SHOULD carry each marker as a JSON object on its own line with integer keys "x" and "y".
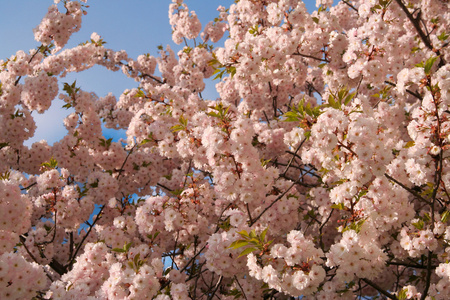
{"x": 351, "y": 6}
{"x": 379, "y": 289}
{"x": 215, "y": 288}
{"x": 416, "y": 24}
{"x": 415, "y": 94}
{"x": 408, "y": 189}
{"x": 312, "y": 57}
{"x": 292, "y": 158}
{"x": 271, "y": 204}
{"x": 72, "y": 259}
{"x": 240, "y": 286}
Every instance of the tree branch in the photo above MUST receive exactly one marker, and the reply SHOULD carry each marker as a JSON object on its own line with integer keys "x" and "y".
{"x": 416, "y": 24}
{"x": 379, "y": 289}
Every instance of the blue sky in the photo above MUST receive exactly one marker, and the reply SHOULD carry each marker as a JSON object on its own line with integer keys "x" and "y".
{"x": 137, "y": 26}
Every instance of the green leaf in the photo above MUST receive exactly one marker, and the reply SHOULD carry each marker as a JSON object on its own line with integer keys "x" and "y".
{"x": 238, "y": 244}
{"x": 443, "y": 36}
{"x": 339, "y": 206}
{"x": 362, "y": 193}
{"x": 127, "y": 246}
{"x": 262, "y": 237}
{"x": 402, "y": 295}
{"x": 5, "y": 176}
{"x": 118, "y": 250}
{"x": 148, "y": 140}
{"x": 409, "y": 144}
{"x": 131, "y": 265}
{"x": 445, "y": 216}
{"x": 247, "y": 251}
{"x": 17, "y": 114}
{"x": 255, "y": 241}
{"x": 213, "y": 114}
{"x": 219, "y": 75}
{"x": 244, "y": 234}
{"x": 176, "y": 128}
{"x": 419, "y": 224}
{"x": 349, "y": 98}
{"x": 136, "y": 259}
{"x": 332, "y": 102}
{"x": 264, "y": 162}
{"x": 140, "y": 94}
{"x": 51, "y": 164}
{"x": 291, "y": 116}
{"x": 181, "y": 126}
{"x": 429, "y": 64}
{"x": 232, "y": 71}
{"x": 308, "y": 110}
{"x": 70, "y": 89}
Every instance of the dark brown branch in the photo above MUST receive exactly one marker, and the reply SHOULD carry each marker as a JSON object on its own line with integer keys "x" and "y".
{"x": 428, "y": 276}
{"x": 293, "y": 157}
{"x": 125, "y": 161}
{"x": 273, "y": 202}
{"x": 351, "y": 6}
{"x": 39, "y": 49}
{"x": 154, "y": 78}
{"x": 240, "y": 286}
{"x": 164, "y": 187}
{"x": 216, "y": 287}
{"x": 408, "y": 189}
{"x": 405, "y": 264}
{"x": 379, "y": 289}
{"x": 72, "y": 259}
{"x": 415, "y": 94}
{"x": 321, "y": 228}
{"x": 416, "y": 24}
{"x": 23, "y": 240}
{"x": 312, "y": 57}
{"x": 28, "y": 187}
{"x": 249, "y": 214}
{"x": 437, "y": 181}
{"x": 59, "y": 268}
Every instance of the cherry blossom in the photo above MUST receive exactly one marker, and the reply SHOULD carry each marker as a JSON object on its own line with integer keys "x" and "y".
{"x": 320, "y": 172}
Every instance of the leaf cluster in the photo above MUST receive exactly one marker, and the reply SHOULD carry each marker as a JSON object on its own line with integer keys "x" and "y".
{"x": 428, "y": 64}
{"x": 301, "y": 111}
{"x": 105, "y": 143}
{"x": 255, "y": 241}
{"x": 220, "y": 70}
{"x": 182, "y": 126}
{"x": 70, "y": 89}
{"x": 51, "y": 164}
{"x": 343, "y": 97}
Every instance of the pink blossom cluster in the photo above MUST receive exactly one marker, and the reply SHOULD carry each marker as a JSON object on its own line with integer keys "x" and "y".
{"x": 58, "y": 26}
{"x": 321, "y": 171}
